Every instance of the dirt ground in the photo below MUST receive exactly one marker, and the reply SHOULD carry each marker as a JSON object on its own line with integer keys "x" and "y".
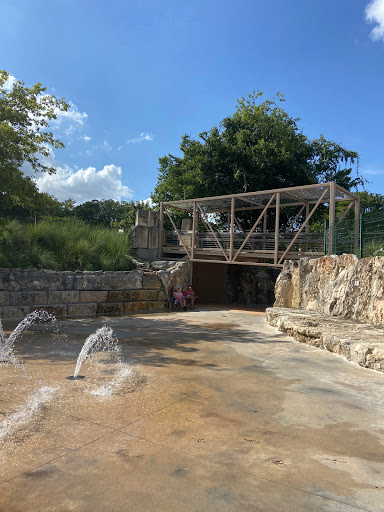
{"x": 206, "y": 410}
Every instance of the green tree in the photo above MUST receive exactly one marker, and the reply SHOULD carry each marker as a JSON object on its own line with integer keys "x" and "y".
{"x": 25, "y": 113}
{"x": 371, "y": 202}
{"x": 259, "y": 147}
{"x": 105, "y": 212}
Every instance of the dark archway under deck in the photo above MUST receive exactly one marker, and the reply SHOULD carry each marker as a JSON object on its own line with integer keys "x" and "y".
{"x": 258, "y": 245}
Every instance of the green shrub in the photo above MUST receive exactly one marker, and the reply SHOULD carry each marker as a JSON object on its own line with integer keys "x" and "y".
{"x": 373, "y": 248}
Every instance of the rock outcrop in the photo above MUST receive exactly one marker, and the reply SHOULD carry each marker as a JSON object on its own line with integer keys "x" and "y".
{"x": 335, "y": 303}
{"x": 360, "y": 343}
{"x": 340, "y": 286}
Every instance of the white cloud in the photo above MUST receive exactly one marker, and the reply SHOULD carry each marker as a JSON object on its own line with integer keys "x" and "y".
{"x": 148, "y": 201}
{"x": 141, "y": 138}
{"x": 81, "y": 185}
{"x": 8, "y": 85}
{"x": 85, "y": 138}
{"x": 374, "y": 13}
{"x": 69, "y": 121}
{"x": 85, "y": 184}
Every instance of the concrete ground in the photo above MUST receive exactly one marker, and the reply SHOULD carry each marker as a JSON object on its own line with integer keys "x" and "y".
{"x": 211, "y": 410}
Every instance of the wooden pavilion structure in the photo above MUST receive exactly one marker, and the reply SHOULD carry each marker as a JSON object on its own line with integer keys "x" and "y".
{"x": 257, "y": 246}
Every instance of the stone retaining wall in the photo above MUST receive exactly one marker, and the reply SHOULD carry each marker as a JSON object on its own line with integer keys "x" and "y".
{"x": 342, "y": 286}
{"x": 80, "y": 294}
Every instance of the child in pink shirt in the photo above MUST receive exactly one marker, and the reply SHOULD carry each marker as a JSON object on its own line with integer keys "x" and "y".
{"x": 179, "y": 297}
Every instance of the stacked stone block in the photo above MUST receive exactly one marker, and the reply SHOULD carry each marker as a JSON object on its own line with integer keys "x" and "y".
{"x": 79, "y": 294}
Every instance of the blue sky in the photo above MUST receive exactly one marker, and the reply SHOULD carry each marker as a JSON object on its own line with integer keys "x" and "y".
{"x": 141, "y": 73}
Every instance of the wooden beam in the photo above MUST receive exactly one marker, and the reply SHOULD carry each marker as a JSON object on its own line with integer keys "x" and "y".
{"x": 337, "y": 200}
{"x": 161, "y": 230}
{"x": 302, "y": 227}
{"x": 178, "y": 234}
{"x": 260, "y": 193}
{"x": 346, "y": 212}
{"x": 347, "y": 192}
{"x": 265, "y": 219}
{"x": 332, "y": 214}
{"x": 295, "y": 219}
{"x": 251, "y": 202}
{"x": 213, "y": 233}
{"x": 277, "y": 226}
{"x": 193, "y": 231}
{"x": 254, "y": 227}
{"x": 238, "y": 225}
{"x": 357, "y": 225}
{"x": 246, "y": 263}
{"x": 298, "y": 199}
{"x": 250, "y": 208}
{"x": 232, "y": 229}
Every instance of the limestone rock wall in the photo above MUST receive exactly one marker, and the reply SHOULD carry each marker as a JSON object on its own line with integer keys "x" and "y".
{"x": 79, "y": 294}
{"x": 172, "y": 273}
{"x": 342, "y": 286}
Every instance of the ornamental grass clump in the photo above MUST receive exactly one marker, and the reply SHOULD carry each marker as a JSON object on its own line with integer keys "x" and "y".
{"x": 65, "y": 244}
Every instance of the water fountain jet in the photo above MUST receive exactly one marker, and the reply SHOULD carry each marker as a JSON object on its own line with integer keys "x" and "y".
{"x": 102, "y": 339}
{"x": 7, "y": 343}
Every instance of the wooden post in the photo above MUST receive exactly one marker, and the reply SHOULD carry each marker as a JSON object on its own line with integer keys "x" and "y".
{"x": 332, "y": 214}
{"x": 193, "y": 231}
{"x": 161, "y": 230}
{"x": 264, "y": 243}
{"x": 305, "y": 245}
{"x": 277, "y": 226}
{"x": 232, "y": 229}
{"x": 357, "y": 227}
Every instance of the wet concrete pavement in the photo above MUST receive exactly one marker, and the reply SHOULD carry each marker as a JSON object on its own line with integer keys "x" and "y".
{"x": 211, "y": 410}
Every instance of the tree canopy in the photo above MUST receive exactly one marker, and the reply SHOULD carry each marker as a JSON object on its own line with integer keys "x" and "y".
{"x": 25, "y": 114}
{"x": 109, "y": 213}
{"x": 259, "y": 147}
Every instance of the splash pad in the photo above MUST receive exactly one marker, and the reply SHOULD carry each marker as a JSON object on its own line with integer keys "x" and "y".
{"x": 232, "y": 415}
{"x": 38, "y": 338}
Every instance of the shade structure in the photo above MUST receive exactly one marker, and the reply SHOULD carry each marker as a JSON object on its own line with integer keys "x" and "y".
{"x": 256, "y": 245}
